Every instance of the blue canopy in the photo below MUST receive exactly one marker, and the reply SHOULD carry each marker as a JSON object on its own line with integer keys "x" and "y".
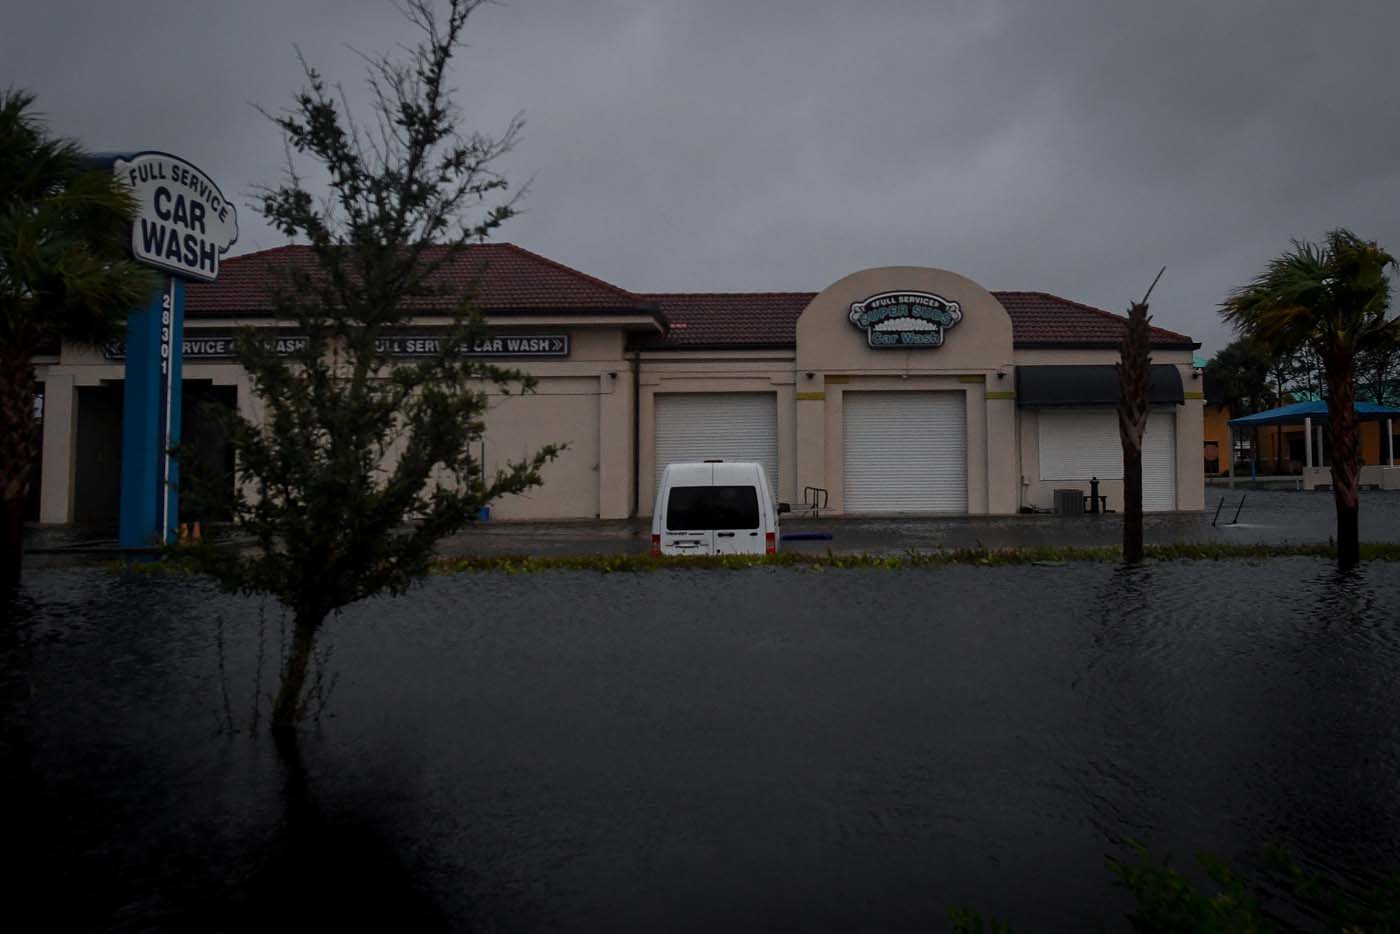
{"x": 1316, "y": 410}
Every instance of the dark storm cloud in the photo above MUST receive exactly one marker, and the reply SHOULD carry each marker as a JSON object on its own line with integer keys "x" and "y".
{"x": 1069, "y": 147}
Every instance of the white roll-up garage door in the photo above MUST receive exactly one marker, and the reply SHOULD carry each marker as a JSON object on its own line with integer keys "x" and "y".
{"x": 1159, "y": 463}
{"x": 905, "y": 451}
{"x": 732, "y": 426}
{"x": 1078, "y": 444}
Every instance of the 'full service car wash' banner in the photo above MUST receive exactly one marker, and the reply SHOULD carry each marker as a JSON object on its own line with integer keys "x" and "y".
{"x": 224, "y": 346}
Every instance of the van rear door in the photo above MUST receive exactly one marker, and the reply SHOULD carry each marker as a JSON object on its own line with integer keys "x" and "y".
{"x": 721, "y": 520}
{"x": 737, "y": 509}
{"x": 685, "y": 531}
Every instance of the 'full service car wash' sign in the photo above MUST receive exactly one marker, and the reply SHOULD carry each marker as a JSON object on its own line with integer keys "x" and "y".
{"x": 223, "y": 346}
{"x": 905, "y": 320}
{"x": 504, "y": 345}
{"x": 183, "y": 224}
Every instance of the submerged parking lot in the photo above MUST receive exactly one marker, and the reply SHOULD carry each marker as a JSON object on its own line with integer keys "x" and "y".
{"x": 1264, "y": 516}
{"x": 700, "y": 750}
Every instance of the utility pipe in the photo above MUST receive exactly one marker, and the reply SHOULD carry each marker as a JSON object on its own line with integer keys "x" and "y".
{"x": 1230, "y": 452}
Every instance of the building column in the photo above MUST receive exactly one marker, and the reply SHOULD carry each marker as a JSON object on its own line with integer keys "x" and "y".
{"x": 1003, "y": 449}
{"x": 1390, "y": 441}
{"x": 60, "y": 440}
{"x": 786, "y": 489}
{"x": 810, "y": 398}
{"x": 615, "y": 444}
{"x": 1190, "y": 464}
{"x": 978, "y": 475}
{"x": 1307, "y": 442}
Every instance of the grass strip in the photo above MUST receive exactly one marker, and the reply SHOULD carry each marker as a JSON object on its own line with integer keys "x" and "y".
{"x": 983, "y": 557}
{"x": 173, "y": 563}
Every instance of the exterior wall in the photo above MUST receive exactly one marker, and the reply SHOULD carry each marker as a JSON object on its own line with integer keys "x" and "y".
{"x": 976, "y": 359}
{"x": 1273, "y": 444}
{"x": 562, "y": 410}
{"x": 584, "y": 401}
{"x": 600, "y": 401}
{"x": 833, "y": 430}
{"x": 1190, "y": 431}
{"x": 1373, "y": 444}
{"x": 1215, "y": 427}
{"x": 59, "y": 442}
{"x": 716, "y": 372}
{"x": 1190, "y": 435}
{"x": 1190, "y": 453}
{"x": 1190, "y": 465}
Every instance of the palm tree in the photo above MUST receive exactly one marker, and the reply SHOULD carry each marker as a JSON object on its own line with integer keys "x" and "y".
{"x": 64, "y": 274}
{"x": 1134, "y": 377}
{"x": 1331, "y": 298}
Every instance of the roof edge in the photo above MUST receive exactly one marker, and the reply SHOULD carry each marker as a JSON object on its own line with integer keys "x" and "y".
{"x": 663, "y": 347}
{"x": 1099, "y": 345}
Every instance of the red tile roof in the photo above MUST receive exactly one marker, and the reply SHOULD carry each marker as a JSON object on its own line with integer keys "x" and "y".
{"x": 1039, "y": 319}
{"x": 729, "y": 319}
{"x": 514, "y": 280}
{"x": 509, "y": 279}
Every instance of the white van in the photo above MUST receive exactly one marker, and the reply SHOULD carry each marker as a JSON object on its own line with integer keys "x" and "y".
{"x": 715, "y": 508}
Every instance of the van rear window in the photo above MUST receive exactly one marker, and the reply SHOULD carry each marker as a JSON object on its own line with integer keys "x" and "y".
{"x": 711, "y": 507}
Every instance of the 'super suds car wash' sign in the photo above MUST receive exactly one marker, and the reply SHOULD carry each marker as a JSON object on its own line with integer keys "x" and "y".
{"x": 183, "y": 223}
{"x": 905, "y": 320}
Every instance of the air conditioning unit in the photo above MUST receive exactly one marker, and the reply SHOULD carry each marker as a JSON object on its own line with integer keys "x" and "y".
{"x": 1069, "y": 503}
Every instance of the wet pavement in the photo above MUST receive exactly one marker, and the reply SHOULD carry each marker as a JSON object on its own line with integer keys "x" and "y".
{"x": 771, "y": 748}
{"x": 1264, "y": 516}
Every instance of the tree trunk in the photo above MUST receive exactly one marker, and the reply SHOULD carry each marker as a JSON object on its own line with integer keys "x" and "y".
{"x": 286, "y": 709}
{"x": 16, "y": 455}
{"x": 1132, "y": 506}
{"x": 1134, "y": 384}
{"x": 1346, "y": 458}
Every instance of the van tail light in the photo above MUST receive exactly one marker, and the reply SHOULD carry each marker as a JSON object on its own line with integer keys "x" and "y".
{"x": 656, "y": 546}
{"x": 770, "y": 542}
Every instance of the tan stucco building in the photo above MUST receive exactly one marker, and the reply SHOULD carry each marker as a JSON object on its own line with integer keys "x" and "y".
{"x": 903, "y": 390}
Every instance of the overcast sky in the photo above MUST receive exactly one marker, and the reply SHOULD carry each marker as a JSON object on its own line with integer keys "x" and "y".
{"x": 1070, "y": 147}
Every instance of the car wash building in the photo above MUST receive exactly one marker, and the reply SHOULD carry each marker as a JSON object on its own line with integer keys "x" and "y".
{"x": 895, "y": 390}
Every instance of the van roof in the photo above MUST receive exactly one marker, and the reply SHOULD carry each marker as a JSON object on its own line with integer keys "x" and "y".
{"x": 712, "y": 471}
{"x": 690, "y": 474}
{"x": 736, "y": 472}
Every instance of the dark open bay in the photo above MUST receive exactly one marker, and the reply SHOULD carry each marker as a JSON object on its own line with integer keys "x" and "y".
{"x": 759, "y": 749}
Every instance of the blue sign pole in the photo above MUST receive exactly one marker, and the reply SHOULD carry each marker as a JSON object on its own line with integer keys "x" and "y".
{"x": 150, "y": 502}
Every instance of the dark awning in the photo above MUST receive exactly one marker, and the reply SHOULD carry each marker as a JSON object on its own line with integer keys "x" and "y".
{"x": 1096, "y": 384}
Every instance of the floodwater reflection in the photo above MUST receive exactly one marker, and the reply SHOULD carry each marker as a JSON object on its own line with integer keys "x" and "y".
{"x": 696, "y": 750}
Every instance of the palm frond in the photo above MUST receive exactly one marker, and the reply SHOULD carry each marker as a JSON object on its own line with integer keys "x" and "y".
{"x": 64, "y": 266}
{"x": 1329, "y": 295}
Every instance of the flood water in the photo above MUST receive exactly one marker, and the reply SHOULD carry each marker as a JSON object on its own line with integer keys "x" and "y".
{"x": 762, "y": 749}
